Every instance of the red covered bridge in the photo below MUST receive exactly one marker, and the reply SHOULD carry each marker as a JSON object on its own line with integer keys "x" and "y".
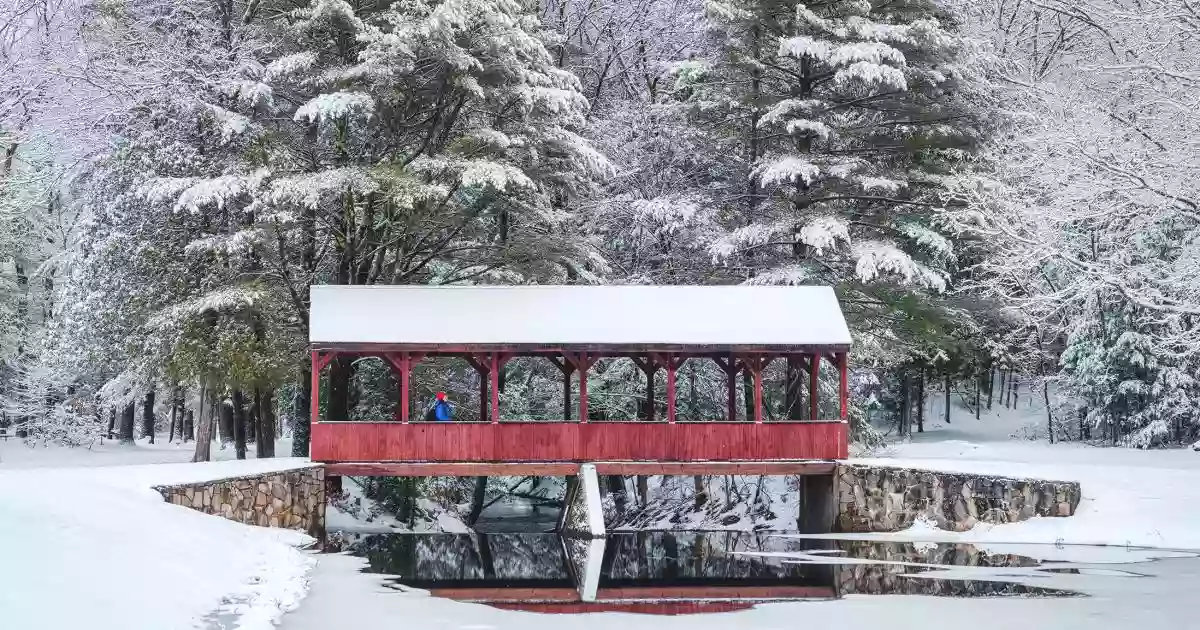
{"x": 741, "y": 328}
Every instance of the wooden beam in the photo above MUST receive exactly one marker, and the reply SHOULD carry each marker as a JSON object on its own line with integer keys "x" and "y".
{"x": 563, "y": 469}
{"x": 671, "y": 389}
{"x": 496, "y": 361}
{"x": 731, "y": 367}
{"x": 666, "y": 608}
{"x": 494, "y": 385}
{"x": 801, "y": 467}
{"x": 756, "y": 363}
{"x": 582, "y": 363}
{"x": 844, "y": 387}
{"x": 325, "y": 359}
{"x": 314, "y": 410}
{"x": 649, "y": 366}
{"x": 452, "y": 469}
{"x": 566, "y": 368}
{"x": 400, "y": 367}
{"x": 714, "y": 592}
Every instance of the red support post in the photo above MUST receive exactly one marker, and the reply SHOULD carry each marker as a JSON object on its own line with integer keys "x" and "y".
{"x": 566, "y": 367}
{"x": 494, "y": 380}
{"x": 844, "y": 389}
{"x": 755, "y": 364}
{"x": 758, "y": 397}
{"x": 314, "y": 400}
{"x": 813, "y": 407}
{"x": 402, "y": 364}
{"x": 405, "y": 380}
{"x": 583, "y": 366}
{"x": 671, "y": 367}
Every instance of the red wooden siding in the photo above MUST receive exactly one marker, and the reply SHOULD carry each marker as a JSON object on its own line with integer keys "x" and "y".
{"x": 677, "y": 607}
{"x": 635, "y": 593}
{"x": 514, "y": 442}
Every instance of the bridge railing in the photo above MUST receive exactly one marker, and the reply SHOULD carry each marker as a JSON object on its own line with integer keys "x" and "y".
{"x": 576, "y": 442}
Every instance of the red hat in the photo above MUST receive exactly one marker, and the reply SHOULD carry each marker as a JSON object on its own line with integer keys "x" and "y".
{"x": 441, "y": 395}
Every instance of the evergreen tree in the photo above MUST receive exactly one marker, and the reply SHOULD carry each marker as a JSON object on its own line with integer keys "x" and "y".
{"x": 850, "y": 128}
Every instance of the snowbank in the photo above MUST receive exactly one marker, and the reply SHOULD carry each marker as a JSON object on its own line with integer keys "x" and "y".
{"x": 98, "y": 548}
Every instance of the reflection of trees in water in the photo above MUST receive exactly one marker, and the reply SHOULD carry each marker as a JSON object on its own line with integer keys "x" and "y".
{"x": 666, "y": 558}
{"x": 682, "y": 555}
{"x": 461, "y": 556}
{"x": 897, "y": 579}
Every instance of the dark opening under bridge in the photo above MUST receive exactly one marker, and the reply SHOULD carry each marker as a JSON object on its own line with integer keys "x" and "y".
{"x": 743, "y": 329}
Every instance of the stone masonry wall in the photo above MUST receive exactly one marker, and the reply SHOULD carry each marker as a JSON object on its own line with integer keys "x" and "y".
{"x": 884, "y": 499}
{"x": 289, "y": 499}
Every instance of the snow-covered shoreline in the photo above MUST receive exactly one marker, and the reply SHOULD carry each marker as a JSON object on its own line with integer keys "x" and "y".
{"x": 128, "y": 560}
{"x": 82, "y": 519}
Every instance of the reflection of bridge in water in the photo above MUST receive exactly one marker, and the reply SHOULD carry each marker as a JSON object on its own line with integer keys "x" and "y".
{"x": 671, "y": 573}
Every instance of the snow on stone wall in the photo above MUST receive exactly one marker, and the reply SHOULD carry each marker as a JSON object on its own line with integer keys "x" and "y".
{"x": 884, "y": 499}
{"x": 289, "y": 499}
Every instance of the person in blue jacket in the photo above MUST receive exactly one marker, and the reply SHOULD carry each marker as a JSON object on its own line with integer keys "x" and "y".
{"x": 440, "y": 410}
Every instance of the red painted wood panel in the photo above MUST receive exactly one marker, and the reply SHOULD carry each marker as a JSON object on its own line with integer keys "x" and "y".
{"x": 677, "y": 607}
{"x": 576, "y": 442}
{"x": 714, "y": 592}
{"x": 634, "y": 593}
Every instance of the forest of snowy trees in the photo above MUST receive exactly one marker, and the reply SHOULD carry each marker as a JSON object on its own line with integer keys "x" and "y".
{"x": 1002, "y": 192}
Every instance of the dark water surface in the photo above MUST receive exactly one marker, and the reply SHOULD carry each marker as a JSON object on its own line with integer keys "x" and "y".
{"x": 692, "y": 572}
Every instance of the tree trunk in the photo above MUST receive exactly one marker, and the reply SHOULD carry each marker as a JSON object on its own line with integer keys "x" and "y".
{"x": 174, "y": 417}
{"x": 225, "y": 425}
{"x": 650, "y": 394}
{"x": 239, "y": 423}
{"x": 947, "y": 397}
{"x": 905, "y": 403}
{"x": 112, "y": 422}
{"x": 148, "y": 416}
{"x": 616, "y": 488}
{"x": 127, "y": 423}
{"x": 252, "y": 420}
{"x": 301, "y": 412}
{"x": 1015, "y": 390}
{"x": 701, "y": 496}
{"x": 1049, "y": 415}
{"x": 921, "y": 400}
{"x": 477, "y": 500}
{"x": 266, "y": 427}
{"x": 189, "y": 426}
{"x": 1004, "y": 387}
{"x": 978, "y": 387}
{"x": 991, "y": 383}
{"x": 204, "y": 432}
{"x": 795, "y": 386}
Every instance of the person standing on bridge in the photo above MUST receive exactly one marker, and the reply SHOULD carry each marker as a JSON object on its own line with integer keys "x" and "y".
{"x": 440, "y": 410}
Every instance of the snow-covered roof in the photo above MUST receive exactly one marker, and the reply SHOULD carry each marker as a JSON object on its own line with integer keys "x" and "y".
{"x": 768, "y": 317}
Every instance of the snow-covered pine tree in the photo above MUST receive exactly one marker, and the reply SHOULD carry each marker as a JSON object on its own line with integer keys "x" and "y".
{"x": 852, "y": 120}
{"x": 410, "y": 143}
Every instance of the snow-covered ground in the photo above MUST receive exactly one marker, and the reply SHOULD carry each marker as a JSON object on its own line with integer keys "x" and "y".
{"x": 1131, "y": 497}
{"x": 89, "y": 544}
{"x": 86, "y": 543}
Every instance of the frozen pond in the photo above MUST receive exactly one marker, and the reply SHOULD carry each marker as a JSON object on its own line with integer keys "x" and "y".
{"x": 703, "y": 572}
